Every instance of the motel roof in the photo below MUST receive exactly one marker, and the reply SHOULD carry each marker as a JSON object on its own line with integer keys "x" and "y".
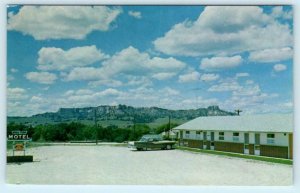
{"x": 247, "y": 123}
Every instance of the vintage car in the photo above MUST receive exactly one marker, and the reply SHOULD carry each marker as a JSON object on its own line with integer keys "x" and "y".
{"x": 149, "y": 142}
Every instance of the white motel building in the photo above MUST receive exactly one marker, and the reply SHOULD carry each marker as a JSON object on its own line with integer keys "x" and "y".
{"x": 265, "y": 135}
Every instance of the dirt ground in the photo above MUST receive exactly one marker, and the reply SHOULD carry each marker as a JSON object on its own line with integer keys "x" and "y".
{"x": 110, "y": 165}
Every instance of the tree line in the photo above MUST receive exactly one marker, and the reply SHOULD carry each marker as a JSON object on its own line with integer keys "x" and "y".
{"x": 75, "y": 131}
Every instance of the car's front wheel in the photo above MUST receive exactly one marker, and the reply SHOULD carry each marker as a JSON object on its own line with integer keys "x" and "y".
{"x": 139, "y": 149}
{"x": 169, "y": 147}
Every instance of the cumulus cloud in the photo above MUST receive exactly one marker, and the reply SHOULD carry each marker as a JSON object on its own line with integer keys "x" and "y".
{"x": 169, "y": 91}
{"x": 216, "y": 63}
{"x": 163, "y": 75}
{"x": 199, "y": 102}
{"x": 247, "y": 91}
{"x": 225, "y": 29}
{"x": 135, "y": 14}
{"x": 108, "y": 92}
{"x": 13, "y": 70}
{"x": 242, "y": 74}
{"x": 278, "y": 12}
{"x": 249, "y": 82}
{"x": 271, "y": 55}
{"x": 209, "y": 77}
{"x": 129, "y": 61}
{"x": 279, "y": 67}
{"x": 52, "y": 58}
{"x": 225, "y": 85}
{"x": 87, "y": 97}
{"x": 189, "y": 77}
{"x": 41, "y": 77}
{"x": 139, "y": 81}
{"x": 107, "y": 82}
{"x": 36, "y": 99}
{"x": 62, "y": 22}
{"x": 16, "y": 94}
{"x": 254, "y": 102}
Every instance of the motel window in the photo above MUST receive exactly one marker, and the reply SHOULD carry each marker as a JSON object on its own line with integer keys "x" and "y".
{"x": 246, "y": 146}
{"x": 198, "y": 133}
{"x": 235, "y": 136}
{"x": 270, "y": 138}
{"x": 221, "y": 135}
{"x": 187, "y": 134}
{"x": 257, "y": 138}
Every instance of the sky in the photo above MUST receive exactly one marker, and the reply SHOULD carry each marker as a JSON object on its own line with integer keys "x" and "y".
{"x": 175, "y": 57}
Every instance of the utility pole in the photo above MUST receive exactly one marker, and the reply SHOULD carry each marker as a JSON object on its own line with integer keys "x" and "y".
{"x": 133, "y": 127}
{"x": 169, "y": 126}
{"x": 238, "y": 111}
{"x": 96, "y": 128}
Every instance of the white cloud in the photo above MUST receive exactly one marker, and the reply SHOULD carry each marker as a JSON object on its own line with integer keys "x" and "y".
{"x": 78, "y": 92}
{"x": 13, "y": 70}
{"x": 247, "y": 91}
{"x": 107, "y": 82}
{"x": 226, "y": 85}
{"x": 225, "y": 29}
{"x": 271, "y": 55}
{"x": 169, "y": 91}
{"x": 278, "y": 12}
{"x": 16, "y": 94}
{"x": 52, "y": 58}
{"x": 139, "y": 81}
{"x": 189, "y": 77}
{"x": 87, "y": 97}
{"x": 242, "y": 74}
{"x": 129, "y": 61}
{"x": 109, "y": 92}
{"x": 36, "y": 99}
{"x": 85, "y": 73}
{"x": 258, "y": 102}
{"x": 279, "y": 67}
{"x": 41, "y": 77}
{"x": 216, "y": 63}
{"x": 62, "y": 22}
{"x": 199, "y": 102}
{"x": 209, "y": 77}
{"x": 10, "y": 77}
{"x": 163, "y": 75}
{"x": 135, "y": 14}
{"x": 83, "y": 92}
{"x": 249, "y": 82}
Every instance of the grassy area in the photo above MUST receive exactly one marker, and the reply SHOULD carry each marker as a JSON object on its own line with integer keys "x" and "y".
{"x": 253, "y": 157}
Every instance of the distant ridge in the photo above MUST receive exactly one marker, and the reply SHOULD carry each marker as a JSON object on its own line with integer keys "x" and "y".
{"x": 120, "y": 113}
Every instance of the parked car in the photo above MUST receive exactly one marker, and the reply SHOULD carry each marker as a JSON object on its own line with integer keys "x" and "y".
{"x": 149, "y": 142}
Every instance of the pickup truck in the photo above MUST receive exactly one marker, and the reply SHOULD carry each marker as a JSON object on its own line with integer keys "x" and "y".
{"x": 149, "y": 142}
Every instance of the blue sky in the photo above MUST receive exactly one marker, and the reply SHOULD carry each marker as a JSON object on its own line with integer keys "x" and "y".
{"x": 176, "y": 57}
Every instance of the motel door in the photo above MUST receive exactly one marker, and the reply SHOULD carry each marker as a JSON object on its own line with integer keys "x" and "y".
{"x": 212, "y": 140}
{"x": 246, "y": 143}
{"x": 204, "y": 139}
{"x": 257, "y": 144}
{"x": 181, "y": 137}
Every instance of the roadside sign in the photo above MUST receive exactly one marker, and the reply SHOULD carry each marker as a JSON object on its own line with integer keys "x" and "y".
{"x": 18, "y": 136}
{"x": 19, "y": 147}
{"x": 19, "y": 139}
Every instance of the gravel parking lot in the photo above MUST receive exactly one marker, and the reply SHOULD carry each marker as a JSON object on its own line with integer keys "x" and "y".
{"x": 119, "y": 165}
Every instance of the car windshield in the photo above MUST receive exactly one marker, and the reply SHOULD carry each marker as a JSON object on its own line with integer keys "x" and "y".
{"x": 149, "y": 137}
{"x": 144, "y": 139}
